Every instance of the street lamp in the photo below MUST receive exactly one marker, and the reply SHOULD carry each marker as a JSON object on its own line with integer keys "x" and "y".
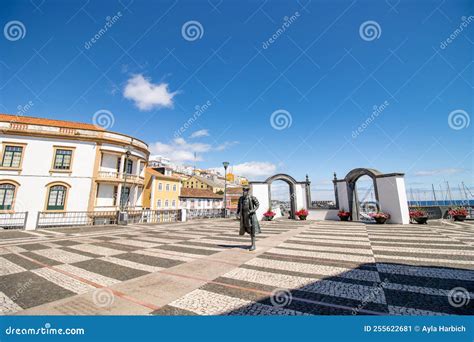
{"x": 123, "y": 216}
{"x": 226, "y": 164}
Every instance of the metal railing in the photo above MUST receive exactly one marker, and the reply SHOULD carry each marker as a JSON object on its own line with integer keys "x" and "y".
{"x": 193, "y": 214}
{"x": 104, "y": 218}
{"x": 114, "y": 175}
{"x": 75, "y": 219}
{"x": 154, "y": 216}
{"x": 13, "y": 220}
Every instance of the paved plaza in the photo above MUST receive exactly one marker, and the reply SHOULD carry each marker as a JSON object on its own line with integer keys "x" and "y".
{"x": 203, "y": 267}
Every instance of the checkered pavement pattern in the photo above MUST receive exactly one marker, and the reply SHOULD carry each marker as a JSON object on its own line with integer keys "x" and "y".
{"x": 36, "y": 267}
{"x": 328, "y": 268}
{"x": 348, "y": 269}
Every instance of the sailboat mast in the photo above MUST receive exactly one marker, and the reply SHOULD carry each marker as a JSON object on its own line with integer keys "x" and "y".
{"x": 434, "y": 194}
{"x": 449, "y": 193}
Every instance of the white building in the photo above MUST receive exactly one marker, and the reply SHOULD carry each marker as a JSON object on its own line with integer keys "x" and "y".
{"x": 53, "y": 166}
{"x": 200, "y": 199}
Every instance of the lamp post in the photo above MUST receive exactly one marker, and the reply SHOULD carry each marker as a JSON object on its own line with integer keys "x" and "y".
{"x": 225, "y": 164}
{"x": 123, "y": 217}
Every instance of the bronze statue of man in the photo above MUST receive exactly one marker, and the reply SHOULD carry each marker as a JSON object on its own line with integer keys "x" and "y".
{"x": 246, "y": 209}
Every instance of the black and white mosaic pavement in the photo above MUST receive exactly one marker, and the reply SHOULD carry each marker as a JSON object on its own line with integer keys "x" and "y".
{"x": 327, "y": 268}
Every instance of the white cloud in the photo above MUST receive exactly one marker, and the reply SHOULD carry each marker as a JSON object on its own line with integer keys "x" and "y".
{"x": 200, "y": 133}
{"x": 252, "y": 170}
{"x": 438, "y": 172}
{"x": 148, "y": 95}
{"x": 179, "y": 150}
{"x": 225, "y": 145}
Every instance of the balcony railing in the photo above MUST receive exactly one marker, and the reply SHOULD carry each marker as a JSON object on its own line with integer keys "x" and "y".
{"x": 119, "y": 177}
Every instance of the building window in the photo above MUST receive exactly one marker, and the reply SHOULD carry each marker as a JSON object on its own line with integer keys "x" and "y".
{"x": 160, "y": 186}
{"x": 56, "y": 197}
{"x": 174, "y": 187}
{"x": 128, "y": 167}
{"x": 12, "y": 156}
{"x": 166, "y": 204}
{"x": 173, "y": 203}
{"x": 158, "y": 204}
{"x": 7, "y": 195}
{"x": 118, "y": 164}
{"x": 125, "y": 197}
{"x": 115, "y": 195}
{"x": 62, "y": 159}
{"x": 167, "y": 187}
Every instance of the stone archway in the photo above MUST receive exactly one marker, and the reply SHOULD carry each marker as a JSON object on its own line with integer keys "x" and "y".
{"x": 390, "y": 193}
{"x": 300, "y": 195}
{"x": 351, "y": 180}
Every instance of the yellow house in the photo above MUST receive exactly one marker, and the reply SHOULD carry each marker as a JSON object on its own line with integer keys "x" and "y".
{"x": 199, "y": 182}
{"x": 161, "y": 190}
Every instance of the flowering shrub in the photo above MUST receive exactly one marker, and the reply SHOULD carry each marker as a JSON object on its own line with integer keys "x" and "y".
{"x": 416, "y": 213}
{"x": 459, "y": 211}
{"x": 343, "y": 213}
{"x": 269, "y": 213}
{"x": 302, "y": 212}
{"x": 379, "y": 214}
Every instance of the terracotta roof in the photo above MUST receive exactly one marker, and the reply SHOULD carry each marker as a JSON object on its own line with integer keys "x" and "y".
{"x": 159, "y": 175}
{"x": 48, "y": 122}
{"x": 237, "y": 190}
{"x": 199, "y": 193}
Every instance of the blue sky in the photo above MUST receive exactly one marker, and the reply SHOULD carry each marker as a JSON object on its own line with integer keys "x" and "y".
{"x": 309, "y": 62}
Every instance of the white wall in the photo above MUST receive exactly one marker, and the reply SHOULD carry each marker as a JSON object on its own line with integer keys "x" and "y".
{"x": 260, "y": 191}
{"x": 323, "y": 214}
{"x": 300, "y": 195}
{"x": 393, "y": 198}
{"x": 200, "y": 203}
{"x": 342, "y": 195}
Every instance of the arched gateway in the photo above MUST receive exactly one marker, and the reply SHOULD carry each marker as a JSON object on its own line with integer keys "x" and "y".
{"x": 389, "y": 188}
{"x": 300, "y": 193}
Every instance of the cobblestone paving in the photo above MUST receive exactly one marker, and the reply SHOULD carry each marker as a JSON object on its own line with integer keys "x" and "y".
{"x": 327, "y": 268}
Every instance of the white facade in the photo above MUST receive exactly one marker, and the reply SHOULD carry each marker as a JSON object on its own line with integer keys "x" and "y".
{"x": 393, "y": 198}
{"x": 53, "y": 166}
{"x": 201, "y": 203}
